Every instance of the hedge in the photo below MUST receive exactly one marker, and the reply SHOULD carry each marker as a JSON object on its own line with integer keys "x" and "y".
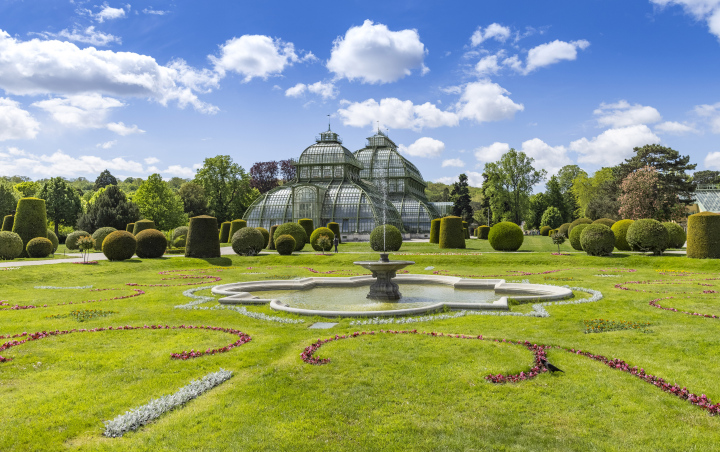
{"x": 307, "y": 224}
{"x": 266, "y": 236}
{"x": 39, "y": 247}
{"x": 575, "y": 234}
{"x": 483, "y": 232}
{"x": 597, "y": 239}
{"x": 435, "y": 230}
{"x": 180, "y": 231}
{"x": 466, "y": 230}
{"x": 225, "y": 232}
{"x": 11, "y": 245}
{"x": 564, "y": 229}
{"x": 451, "y": 233}
{"x": 545, "y": 230}
{"x": 100, "y": 235}
{"x": 335, "y": 227}
{"x": 703, "y": 236}
{"x": 202, "y": 240}
{"x": 271, "y": 244}
{"x": 151, "y": 244}
{"x": 235, "y": 226}
{"x": 647, "y": 235}
{"x": 676, "y": 234}
{"x": 180, "y": 242}
{"x": 142, "y": 225}
{"x": 247, "y": 241}
{"x": 606, "y": 221}
{"x": 315, "y": 236}
{"x": 386, "y": 237}
{"x": 295, "y": 230}
{"x": 620, "y": 229}
{"x": 506, "y": 236}
{"x": 71, "y": 240}
{"x": 130, "y": 227}
{"x": 30, "y": 221}
{"x": 7, "y": 223}
{"x": 577, "y": 222}
{"x": 53, "y": 238}
{"x": 285, "y": 244}
{"x": 119, "y": 246}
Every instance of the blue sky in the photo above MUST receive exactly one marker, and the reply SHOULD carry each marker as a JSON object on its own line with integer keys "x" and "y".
{"x": 156, "y": 86}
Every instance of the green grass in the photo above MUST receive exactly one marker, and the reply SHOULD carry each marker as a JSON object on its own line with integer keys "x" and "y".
{"x": 380, "y": 392}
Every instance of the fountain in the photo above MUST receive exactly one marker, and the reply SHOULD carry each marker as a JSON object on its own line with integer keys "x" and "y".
{"x": 384, "y": 271}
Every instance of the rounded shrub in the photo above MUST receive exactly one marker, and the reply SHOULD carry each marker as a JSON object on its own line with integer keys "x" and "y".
{"x": 451, "y": 233}
{"x": 142, "y": 225}
{"x": 285, "y": 244}
{"x": 544, "y": 231}
{"x": 435, "y": 230}
{"x": 100, "y": 235}
{"x": 179, "y": 231}
{"x": 597, "y": 239}
{"x": 386, "y": 237}
{"x": 335, "y": 227}
{"x": 71, "y": 240}
{"x": 54, "y": 239}
{"x": 39, "y": 247}
{"x": 620, "y": 229}
{"x": 676, "y": 234}
{"x": 10, "y": 245}
{"x": 130, "y": 227}
{"x": 202, "y": 239}
{"x": 483, "y": 232}
{"x": 235, "y": 226}
{"x": 295, "y": 230}
{"x": 307, "y": 224}
{"x": 577, "y": 222}
{"x": 315, "y": 236}
{"x": 30, "y": 220}
{"x": 506, "y": 236}
{"x": 266, "y": 236}
{"x": 7, "y": 223}
{"x": 271, "y": 244}
{"x": 606, "y": 221}
{"x": 119, "y": 246}
{"x": 151, "y": 244}
{"x": 575, "y": 234}
{"x": 179, "y": 242}
{"x": 563, "y": 229}
{"x": 648, "y": 236}
{"x": 703, "y": 236}
{"x": 247, "y": 241}
{"x": 225, "y": 232}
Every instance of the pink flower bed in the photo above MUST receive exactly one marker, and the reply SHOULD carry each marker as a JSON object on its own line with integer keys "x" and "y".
{"x": 654, "y": 303}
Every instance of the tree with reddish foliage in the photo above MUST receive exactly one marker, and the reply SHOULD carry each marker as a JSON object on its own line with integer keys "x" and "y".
{"x": 643, "y": 196}
{"x": 287, "y": 169}
{"x": 263, "y": 176}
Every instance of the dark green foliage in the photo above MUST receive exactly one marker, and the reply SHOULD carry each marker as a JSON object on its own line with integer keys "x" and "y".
{"x": 307, "y": 224}
{"x": 564, "y": 229}
{"x": 386, "y": 238}
{"x": 180, "y": 231}
{"x": 7, "y": 199}
{"x": 202, "y": 239}
{"x": 295, "y": 230}
{"x": 62, "y": 202}
{"x": 30, "y": 220}
{"x": 8, "y": 222}
{"x": 11, "y": 245}
{"x": 435, "y": 231}
{"x": 676, "y": 235}
{"x": 544, "y": 231}
{"x": 285, "y": 244}
{"x": 104, "y": 179}
{"x": 151, "y": 244}
{"x": 451, "y": 233}
{"x": 53, "y": 238}
{"x": 575, "y": 235}
{"x": 266, "y": 236}
{"x": 597, "y": 240}
{"x": 119, "y": 246}
{"x": 577, "y": 222}
{"x": 558, "y": 239}
{"x": 130, "y": 227}
{"x": 39, "y": 247}
{"x": 706, "y": 177}
{"x": 606, "y": 221}
{"x": 235, "y": 226}
{"x": 335, "y": 227}
{"x": 271, "y": 244}
{"x": 316, "y": 235}
{"x": 100, "y": 235}
{"x": 193, "y": 199}
{"x": 483, "y": 232}
{"x": 247, "y": 241}
{"x": 703, "y": 237}
{"x": 225, "y": 232}
{"x": 620, "y": 229}
{"x": 111, "y": 208}
{"x": 648, "y": 236}
{"x": 71, "y": 240}
{"x": 142, "y": 225}
{"x": 460, "y": 196}
{"x": 506, "y": 236}
{"x": 179, "y": 242}
{"x": 465, "y": 229}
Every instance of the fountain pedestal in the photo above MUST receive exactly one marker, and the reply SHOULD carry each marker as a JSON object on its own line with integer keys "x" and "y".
{"x": 384, "y": 271}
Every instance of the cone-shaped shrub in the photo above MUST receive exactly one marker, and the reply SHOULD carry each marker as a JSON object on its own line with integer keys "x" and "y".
{"x": 335, "y": 227}
{"x": 30, "y": 220}
{"x": 544, "y": 231}
{"x": 563, "y": 229}
{"x": 202, "y": 239}
{"x": 620, "y": 229}
{"x": 130, "y": 227}
{"x": 11, "y": 245}
{"x": 606, "y": 221}
{"x": 295, "y": 230}
{"x": 577, "y": 222}
{"x": 235, "y": 226}
{"x": 575, "y": 234}
{"x": 266, "y": 236}
{"x": 597, "y": 239}
{"x": 225, "y": 232}
{"x": 386, "y": 238}
{"x": 647, "y": 235}
{"x": 247, "y": 241}
{"x": 326, "y": 232}
{"x": 100, "y": 235}
{"x": 285, "y": 244}
{"x": 703, "y": 236}
{"x": 119, "y": 246}
{"x": 7, "y": 223}
{"x": 39, "y": 247}
{"x": 676, "y": 234}
{"x": 465, "y": 229}
{"x": 307, "y": 224}
{"x": 506, "y": 236}
{"x": 180, "y": 231}
{"x": 71, "y": 240}
{"x": 53, "y": 238}
{"x": 483, "y": 232}
{"x": 435, "y": 231}
{"x": 271, "y": 244}
{"x": 451, "y": 233}
{"x": 142, "y": 225}
{"x": 151, "y": 244}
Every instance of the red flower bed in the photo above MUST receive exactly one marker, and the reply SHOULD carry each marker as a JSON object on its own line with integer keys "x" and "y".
{"x": 654, "y": 304}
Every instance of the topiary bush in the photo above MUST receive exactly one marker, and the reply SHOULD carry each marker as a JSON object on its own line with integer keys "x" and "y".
{"x": 235, "y": 226}
{"x": 315, "y": 236}
{"x": 597, "y": 239}
{"x": 225, "y": 232}
{"x": 435, "y": 230}
{"x": 483, "y": 232}
{"x": 451, "y": 233}
{"x": 335, "y": 227}
{"x": 285, "y": 244}
{"x": 266, "y": 236}
{"x": 703, "y": 236}
{"x": 307, "y": 224}
{"x": 247, "y": 241}
{"x": 39, "y": 247}
{"x": 676, "y": 234}
{"x": 544, "y": 231}
{"x": 465, "y": 229}
{"x": 271, "y": 244}
{"x": 119, "y": 245}
{"x": 179, "y": 231}
{"x": 563, "y": 229}
{"x": 202, "y": 239}
{"x": 575, "y": 234}
{"x": 386, "y": 237}
{"x": 620, "y": 229}
{"x": 648, "y": 236}
{"x": 7, "y": 223}
{"x": 71, "y": 240}
{"x": 100, "y": 235}
{"x": 53, "y": 238}
{"x": 180, "y": 242}
{"x": 30, "y": 220}
{"x": 11, "y": 245}
{"x": 151, "y": 244}
{"x": 506, "y": 236}
{"x": 606, "y": 221}
{"x": 130, "y": 227}
{"x": 577, "y": 222}
{"x": 142, "y": 225}
{"x": 295, "y": 230}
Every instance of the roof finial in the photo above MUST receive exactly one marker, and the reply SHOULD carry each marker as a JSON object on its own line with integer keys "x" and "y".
{"x": 328, "y": 123}
{"x": 378, "y": 125}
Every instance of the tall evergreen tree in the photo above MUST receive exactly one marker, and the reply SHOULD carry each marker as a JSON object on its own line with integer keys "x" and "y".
{"x": 112, "y": 209}
{"x": 706, "y": 177}
{"x": 460, "y": 196}
{"x": 104, "y": 179}
{"x": 62, "y": 203}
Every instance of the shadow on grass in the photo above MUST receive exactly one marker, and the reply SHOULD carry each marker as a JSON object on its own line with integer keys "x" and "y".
{"x": 218, "y": 261}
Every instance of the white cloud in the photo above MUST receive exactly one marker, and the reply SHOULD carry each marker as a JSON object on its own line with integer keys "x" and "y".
{"x": 613, "y": 145}
{"x": 121, "y": 129}
{"x": 296, "y": 91}
{"x": 16, "y": 123}
{"x": 255, "y": 56}
{"x": 155, "y": 12}
{"x": 396, "y": 114}
{"x": 485, "y": 101}
{"x": 325, "y": 90}
{"x": 711, "y": 113}
{"x": 109, "y": 13}
{"x": 62, "y": 164}
{"x": 675, "y": 128}
{"x": 622, "y": 114}
{"x": 180, "y": 171}
{"x": 513, "y": 63}
{"x": 86, "y": 36}
{"x": 452, "y": 89}
{"x": 491, "y": 153}
{"x": 453, "y": 162}
{"x": 475, "y": 179}
{"x": 424, "y": 147}
{"x": 106, "y": 145}
{"x": 493, "y": 31}
{"x": 83, "y": 111}
{"x": 549, "y": 158}
{"x": 707, "y": 10}
{"x": 712, "y": 160}
{"x": 374, "y": 54}
{"x": 487, "y": 65}
{"x": 553, "y": 52}
{"x": 447, "y": 180}
{"x": 152, "y": 160}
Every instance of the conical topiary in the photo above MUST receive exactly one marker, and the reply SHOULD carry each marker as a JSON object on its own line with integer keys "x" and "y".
{"x": 7, "y": 223}
{"x": 141, "y": 225}
{"x": 225, "y": 232}
{"x": 30, "y": 220}
{"x": 435, "y": 231}
{"x": 235, "y": 226}
{"x": 202, "y": 239}
{"x": 335, "y": 227}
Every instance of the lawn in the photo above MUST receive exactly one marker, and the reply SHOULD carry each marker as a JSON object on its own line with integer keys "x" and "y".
{"x": 378, "y": 392}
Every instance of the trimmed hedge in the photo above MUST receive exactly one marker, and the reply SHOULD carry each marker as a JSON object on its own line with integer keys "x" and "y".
{"x": 451, "y": 233}
{"x": 483, "y": 232}
{"x": 39, "y": 247}
{"x": 71, "y": 240}
{"x": 575, "y": 234}
{"x": 30, "y": 221}
{"x": 577, "y": 222}
{"x": 307, "y": 224}
{"x": 247, "y": 241}
{"x": 564, "y": 229}
{"x": 179, "y": 231}
{"x": 597, "y": 239}
{"x": 202, "y": 240}
{"x": 648, "y": 235}
{"x": 703, "y": 237}
{"x": 7, "y": 223}
{"x": 386, "y": 237}
{"x": 620, "y": 229}
{"x": 53, "y": 238}
{"x": 285, "y": 244}
{"x": 466, "y": 230}
{"x": 435, "y": 230}
{"x": 544, "y": 231}
{"x": 676, "y": 234}
{"x": 11, "y": 245}
{"x": 506, "y": 236}
{"x": 235, "y": 226}
{"x": 606, "y": 221}
{"x": 271, "y": 244}
{"x": 225, "y": 232}
{"x": 335, "y": 227}
{"x": 119, "y": 245}
{"x": 326, "y": 232}
{"x": 130, "y": 227}
{"x": 100, "y": 235}
{"x": 295, "y": 230}
{"x": 142, "y": 225}
{"x": 180, "y": 242}
{"x": 266, "y": 236}
{"x": 151, "y": 244}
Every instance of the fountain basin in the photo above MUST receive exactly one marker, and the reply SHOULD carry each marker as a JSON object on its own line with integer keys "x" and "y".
{"x": 384, "y": 271}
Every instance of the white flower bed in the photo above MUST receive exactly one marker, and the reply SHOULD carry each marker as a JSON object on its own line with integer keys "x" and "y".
{"x": 137, "y": 417}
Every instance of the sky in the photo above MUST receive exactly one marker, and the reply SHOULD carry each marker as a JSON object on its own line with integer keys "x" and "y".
{"x": 140, "y": 87}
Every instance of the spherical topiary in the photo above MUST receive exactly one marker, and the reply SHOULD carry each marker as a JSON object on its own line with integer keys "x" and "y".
{"x": 606, "y": 221}
{"x": 179, "y": 231}
{"x": 151, "y": 244}
{"x": 315, "y": 236}
{"x": 202, "y": 239}
{"x": 335, "y": 227}
{"x": 119, "y": 246}
{"x": 506, "y": 236}
{"x": 271, "y": 244}
{"x": 247, "y": 241}
{"x": 285, "y": 244}
{"x": 179, "y": 242}
{"x": 483, "y": 232}
{"x": 563, "y": 229}
{"x": 648, "y": 236}
{"x": 142, "y": 225}
{"x": 235, "y": 226}
{"x": 225, "y": 232}
{"x": 676, "y": 234}
{"x": 307, "y": 224}
{"x": 11, "y": 245}
{"x": 703, "y": 236}
{"x": 386, "y": 237}
{"x": 30, "y": 220}
{"x": 451, "y": 233}
{"x": 39, "y": 247}
{"x": 597, "y": 239}
{"x": 620, "y": 229}
{"x": 53, "y": 238}
{"x": 71, "y": 240}
{"x": 295, "y": 230}
{"x": 266, "y": 236}
{"x": 544, "y": 231}
{"x": 100, "y": 235}
{"x": 435, "y": 231}
{"x": 130, "y": 227}
{"x": 7, "y": 223}
{"x": 575, "y": 234}
{"x": 577, "y": 222}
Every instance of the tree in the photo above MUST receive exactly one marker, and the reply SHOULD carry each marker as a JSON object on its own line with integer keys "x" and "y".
{"x": 176, "y": 182}
{"x": 159, "y": 203}
{"x": 538, "y": 205}
{"x": 264, "y": 176}
{"x": 288, "y": 171}
{"x": 515, "y": 175}
{"x": 28, "y": 189}
{"x": 706, "y": 177}
{"x": 227, "y": 187}
{"x": 644, "y": 197}
{"x": 460, "y": 196}
{"x": 62, "y": 202}
{"x": 552, "y": 217}
{"x": 112, "y": 209}
{"x": 8, "y": 200}
{"x": 554, "y": 196}
{"x": 597, "y": 192}
{"x": 105, "y": 179}
{"x": 193, "y": 199}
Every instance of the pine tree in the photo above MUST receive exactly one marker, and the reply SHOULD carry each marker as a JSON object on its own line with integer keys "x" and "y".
{"x": 112, "y": 209}
{"x": 460, "y": 196}
{"x": 104, "y": 179}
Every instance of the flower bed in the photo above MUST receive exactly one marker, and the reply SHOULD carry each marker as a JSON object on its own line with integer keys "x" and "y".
{"x": 84, "y": 315}
{"x": 654, "y": 303}
{"x": 602, "y": 326}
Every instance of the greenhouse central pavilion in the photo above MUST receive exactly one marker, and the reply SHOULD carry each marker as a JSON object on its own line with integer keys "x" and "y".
{"x": 358, "y": 191}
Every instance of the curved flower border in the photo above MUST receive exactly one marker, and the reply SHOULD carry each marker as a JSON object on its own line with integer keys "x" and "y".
{"x": 654, "y": 303}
